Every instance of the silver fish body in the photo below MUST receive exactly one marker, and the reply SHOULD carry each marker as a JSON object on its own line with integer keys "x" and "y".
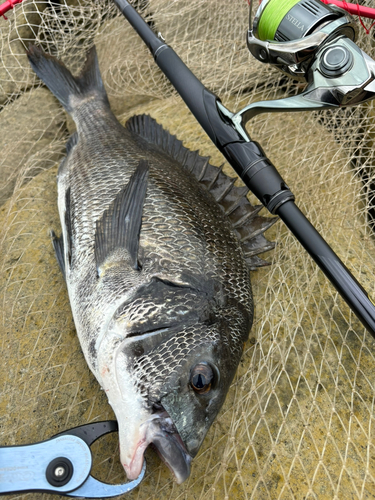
{"x": 157, "y": 278}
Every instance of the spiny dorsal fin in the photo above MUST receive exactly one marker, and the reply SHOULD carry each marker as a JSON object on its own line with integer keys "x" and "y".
{"x": 248, "y": 226}
{"x": 120, "y": 224}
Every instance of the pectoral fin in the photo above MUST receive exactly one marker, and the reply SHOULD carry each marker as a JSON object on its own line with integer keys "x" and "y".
{"x": 120, "y": 225}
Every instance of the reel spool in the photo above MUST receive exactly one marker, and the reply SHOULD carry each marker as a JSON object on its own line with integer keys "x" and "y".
{"x": 289, "y": 33}
{"x": 291, "y": 19}
{"x": 315, "y": 43}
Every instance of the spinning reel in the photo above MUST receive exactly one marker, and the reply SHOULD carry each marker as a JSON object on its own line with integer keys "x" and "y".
{"x": 310, "y": 42}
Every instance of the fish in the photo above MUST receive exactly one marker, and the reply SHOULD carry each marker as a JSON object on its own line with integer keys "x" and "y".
{"x": 156, "y": 249}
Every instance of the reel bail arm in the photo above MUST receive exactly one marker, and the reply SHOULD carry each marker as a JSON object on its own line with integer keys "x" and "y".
{"x": 247, "y": 158}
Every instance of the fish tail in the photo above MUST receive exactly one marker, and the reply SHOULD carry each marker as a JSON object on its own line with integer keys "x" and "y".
{"x": 68, "y": 89}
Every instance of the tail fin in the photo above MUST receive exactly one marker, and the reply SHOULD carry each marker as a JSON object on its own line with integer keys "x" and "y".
{"x": 62, "y": 83}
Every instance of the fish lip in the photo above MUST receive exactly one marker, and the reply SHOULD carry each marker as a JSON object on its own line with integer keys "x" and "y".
{"x": 161, "y": 432}
{"x": 172, "y": 451}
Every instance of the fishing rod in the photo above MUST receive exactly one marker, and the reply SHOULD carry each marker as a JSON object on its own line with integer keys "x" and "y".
{"x": 307, "y": 40}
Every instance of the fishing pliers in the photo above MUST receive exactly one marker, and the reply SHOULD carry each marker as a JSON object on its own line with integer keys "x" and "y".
{"x": 60, "y": 465}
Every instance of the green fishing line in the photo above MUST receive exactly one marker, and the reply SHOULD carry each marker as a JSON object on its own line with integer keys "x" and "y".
{"x": 271, "y": 17}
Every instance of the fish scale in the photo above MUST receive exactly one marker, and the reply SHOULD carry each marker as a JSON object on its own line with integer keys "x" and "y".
{"x": 156, "y": 272}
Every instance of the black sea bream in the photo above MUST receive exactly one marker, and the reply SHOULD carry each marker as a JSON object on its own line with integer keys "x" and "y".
{"x": 157, "y": 275}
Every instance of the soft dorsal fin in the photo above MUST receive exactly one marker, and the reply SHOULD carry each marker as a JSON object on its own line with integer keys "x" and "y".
{"x": 120, "y": 224}
{"x": 246, "y": 222}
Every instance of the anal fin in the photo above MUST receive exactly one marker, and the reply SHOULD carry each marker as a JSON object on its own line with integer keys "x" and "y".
{"x": 120, "y": 225}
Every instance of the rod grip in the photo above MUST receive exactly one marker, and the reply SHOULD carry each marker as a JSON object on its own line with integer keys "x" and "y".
{"x": 258, "y": 173}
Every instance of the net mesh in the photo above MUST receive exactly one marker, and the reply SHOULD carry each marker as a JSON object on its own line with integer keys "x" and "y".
{"x": 298, "y": 421}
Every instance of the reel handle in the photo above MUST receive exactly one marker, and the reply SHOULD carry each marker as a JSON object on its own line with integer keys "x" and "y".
{"x": 340, "y": 75}
{"x": 295, "y": 103}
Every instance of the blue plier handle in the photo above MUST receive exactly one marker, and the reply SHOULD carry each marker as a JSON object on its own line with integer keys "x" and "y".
{"x": 60, "y": 465}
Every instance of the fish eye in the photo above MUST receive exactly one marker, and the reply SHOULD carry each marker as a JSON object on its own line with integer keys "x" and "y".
{"x": 201, "y": 378}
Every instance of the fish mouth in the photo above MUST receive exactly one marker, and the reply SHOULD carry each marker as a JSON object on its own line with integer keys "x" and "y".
{"x": 161, "y": 432}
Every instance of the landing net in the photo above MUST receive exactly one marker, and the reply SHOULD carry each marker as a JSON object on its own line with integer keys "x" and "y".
{"x": 298, "y": 421}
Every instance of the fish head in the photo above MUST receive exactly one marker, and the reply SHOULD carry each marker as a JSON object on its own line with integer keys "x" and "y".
{"x": 168, "y": 386}
{"x": 195, "y": 390}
